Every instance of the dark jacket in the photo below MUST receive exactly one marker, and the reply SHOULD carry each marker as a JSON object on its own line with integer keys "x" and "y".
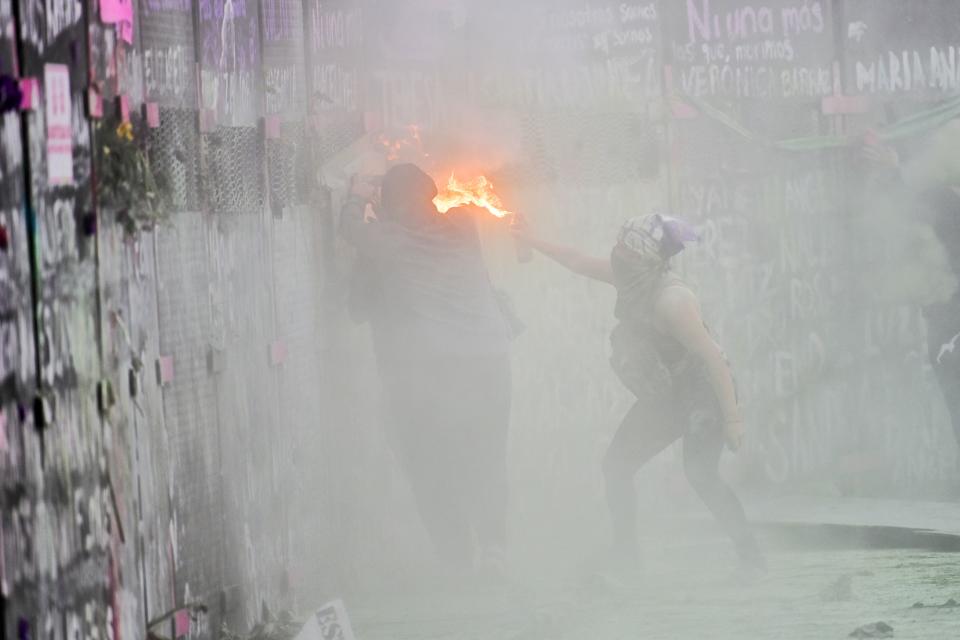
{"x": 430, "y": 293}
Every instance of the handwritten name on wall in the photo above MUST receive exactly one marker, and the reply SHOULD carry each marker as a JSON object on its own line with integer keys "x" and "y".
{"x": 902, "y": 48}
{"x": 737, "y": 49}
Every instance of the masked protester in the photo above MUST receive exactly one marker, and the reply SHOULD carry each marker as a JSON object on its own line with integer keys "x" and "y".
{"x": 933, "y": 177}
{"x": 943, "y": 318}
{"x": 441, "y": 342}
{"x": 663, "y": 353}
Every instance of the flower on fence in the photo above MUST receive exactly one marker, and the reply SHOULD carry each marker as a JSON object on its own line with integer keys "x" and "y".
{"x": 125, "y": 131}
{"x": 126, "y": 182}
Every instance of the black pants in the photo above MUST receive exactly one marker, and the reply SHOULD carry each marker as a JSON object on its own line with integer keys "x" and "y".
{"x": 652, "y": 424}
{"x": 447, "y": 422}
{"x": 943, "y": 343}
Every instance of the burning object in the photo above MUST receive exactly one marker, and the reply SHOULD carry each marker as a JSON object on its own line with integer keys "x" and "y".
{"x": 476, "y": 191}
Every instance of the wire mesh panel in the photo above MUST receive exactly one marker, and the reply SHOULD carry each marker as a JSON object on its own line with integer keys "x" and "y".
{"x": 233, "y": 160}
{"x": 288, "y": 167}
{"x": 587, "y": 148}
{"x": 334, "y": 131}
{"x": 167, "y": 48}
{"x": 193, "y": 462}
{"x": 175, "y": 155}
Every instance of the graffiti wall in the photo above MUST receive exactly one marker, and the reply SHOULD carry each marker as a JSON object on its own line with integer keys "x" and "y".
{"x": 188, "y": 416}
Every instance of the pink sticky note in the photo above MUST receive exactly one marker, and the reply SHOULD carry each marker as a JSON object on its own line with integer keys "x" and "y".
{"x": 113, "y": 11}
{"x": 841, "y": 105}
{"x": 164, "y": 369}
{"x": 123, "y": 103}
{"x": 94, "y": 103}
{"x": 683, "y": 111}
{"x": 125, "y": 29}
{"x": 278, "y": 352}
{"x": 30, "y": 93}
{"x": 153, "y": 114}
{"x": 181, "y": 623}
{"x": 271, "y": 126}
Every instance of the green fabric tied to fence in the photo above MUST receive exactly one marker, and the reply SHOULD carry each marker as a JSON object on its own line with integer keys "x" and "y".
{"x": 913, "y": 125}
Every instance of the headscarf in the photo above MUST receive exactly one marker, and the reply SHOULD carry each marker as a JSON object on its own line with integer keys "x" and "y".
{"x": 641, "y": 258}
{"x": 406, "y": 196}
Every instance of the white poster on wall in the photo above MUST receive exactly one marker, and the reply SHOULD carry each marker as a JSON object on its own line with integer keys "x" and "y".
{"x": 56, "y": 84}
{"x": 329, "y": 623}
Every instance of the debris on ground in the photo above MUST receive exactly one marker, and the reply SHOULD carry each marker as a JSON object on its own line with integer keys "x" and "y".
{"x": 840, "y": 590}
{"x": 280, "y": 627}
{"x": 874, "y": 630}
{"x": 949, "y": 604}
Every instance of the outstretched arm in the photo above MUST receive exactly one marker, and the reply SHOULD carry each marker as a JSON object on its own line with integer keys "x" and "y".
{"x": 679, "y": 312}
{"x": 572, "y": 259}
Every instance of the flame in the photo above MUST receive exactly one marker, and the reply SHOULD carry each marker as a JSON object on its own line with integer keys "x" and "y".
{"x": 476, "y": 191}
{"x": 411, "y": 145}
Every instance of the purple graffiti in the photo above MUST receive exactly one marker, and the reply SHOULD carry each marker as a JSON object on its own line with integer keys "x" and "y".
{"x": 279, "y": 18}
{"x": 229, "y": 33}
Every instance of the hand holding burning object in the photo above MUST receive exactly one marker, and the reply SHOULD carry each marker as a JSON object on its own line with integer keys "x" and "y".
{"x": 479, "y": 192}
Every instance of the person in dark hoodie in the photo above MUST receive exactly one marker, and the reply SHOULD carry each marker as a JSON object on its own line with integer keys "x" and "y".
{"x": 664, "y": 354}
{"x": 932, "y": 177}
{"x": 441, "y": 343}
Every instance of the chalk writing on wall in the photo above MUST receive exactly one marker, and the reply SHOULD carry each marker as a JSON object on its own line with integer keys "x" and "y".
{"x": 902, "y": 48}
{"x": 230, "y": 59}
{"x": 564, "y": 55}
{"x": 166, "y": 39}
{"x": 335, "y": 37}
{"x": 283, "y": 69}
{"x": 736, "y": 49}
{"x": 42, "y": 23}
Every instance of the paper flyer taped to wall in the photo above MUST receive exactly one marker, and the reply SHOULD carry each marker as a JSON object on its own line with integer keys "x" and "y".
{"x": 329, "y": 623}
{"x": 120, "y": 13}
{"x": 56, "y": 84}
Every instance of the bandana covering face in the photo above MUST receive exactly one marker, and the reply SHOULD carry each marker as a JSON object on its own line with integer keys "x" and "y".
{"x": 641, "y": 258}
{"x": 641, "y": 268}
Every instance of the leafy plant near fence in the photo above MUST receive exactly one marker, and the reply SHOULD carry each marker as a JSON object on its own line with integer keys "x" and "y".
{"x": 126, "y": 181}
